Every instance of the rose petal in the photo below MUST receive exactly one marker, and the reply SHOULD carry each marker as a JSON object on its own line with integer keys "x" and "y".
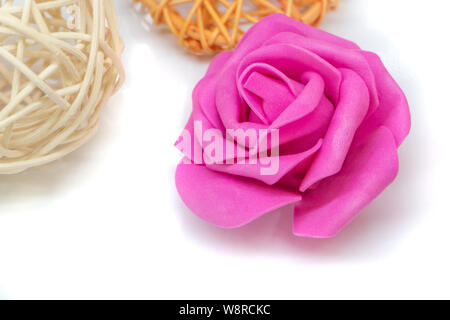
{"x": 276, "y": 23}
{"x": 204, "y": 94}
{"x": 303, "y": 133}
{"x": 293, "y": 61}
{"x": 339, "y": 57}
{"x": 285, "y": 164}
{"x": 267, "y": 96}
{"x": 349, "y": 114}
{"x": 393, "y": 111}
{"x": 312, "y": 120}
{"x": 230, "y": 106}
{"x": 368, "y": 170}
{"x": 305, "y": 103}
{"x": 226, "y": 200}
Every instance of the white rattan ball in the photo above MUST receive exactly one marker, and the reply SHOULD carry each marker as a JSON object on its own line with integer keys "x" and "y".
{"x": 59, "y": 64}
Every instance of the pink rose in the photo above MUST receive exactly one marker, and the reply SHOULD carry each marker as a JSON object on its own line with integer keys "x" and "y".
{"x": 337, "y": 115}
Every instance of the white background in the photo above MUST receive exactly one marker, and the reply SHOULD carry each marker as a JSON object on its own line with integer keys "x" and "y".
{"x": 107, "y": 222}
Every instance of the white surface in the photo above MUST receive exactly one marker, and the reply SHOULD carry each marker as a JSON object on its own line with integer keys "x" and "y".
{"x": 106, "y": 222}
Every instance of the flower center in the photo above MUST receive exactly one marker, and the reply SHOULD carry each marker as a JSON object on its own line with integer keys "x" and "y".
{"x": 275, "y": 99}
{"x": 273, "y": 94}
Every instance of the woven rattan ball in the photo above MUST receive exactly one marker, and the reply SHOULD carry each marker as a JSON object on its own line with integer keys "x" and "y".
{"x": 209, "y": 26}
{"x": 59, "y": 64}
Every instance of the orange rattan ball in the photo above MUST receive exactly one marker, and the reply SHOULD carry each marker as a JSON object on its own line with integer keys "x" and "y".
{"x": 208, "y": 26}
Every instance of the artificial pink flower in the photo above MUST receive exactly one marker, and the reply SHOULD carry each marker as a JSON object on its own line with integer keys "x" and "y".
{"x": 340, "y": 119}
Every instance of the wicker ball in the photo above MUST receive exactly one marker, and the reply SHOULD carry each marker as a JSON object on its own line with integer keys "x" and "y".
{"x": 210, "y": 26}
{"x": 59, "y": 64}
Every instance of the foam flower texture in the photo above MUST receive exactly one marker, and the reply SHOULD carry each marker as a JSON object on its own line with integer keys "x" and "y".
{"x": 340, "y": 115}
